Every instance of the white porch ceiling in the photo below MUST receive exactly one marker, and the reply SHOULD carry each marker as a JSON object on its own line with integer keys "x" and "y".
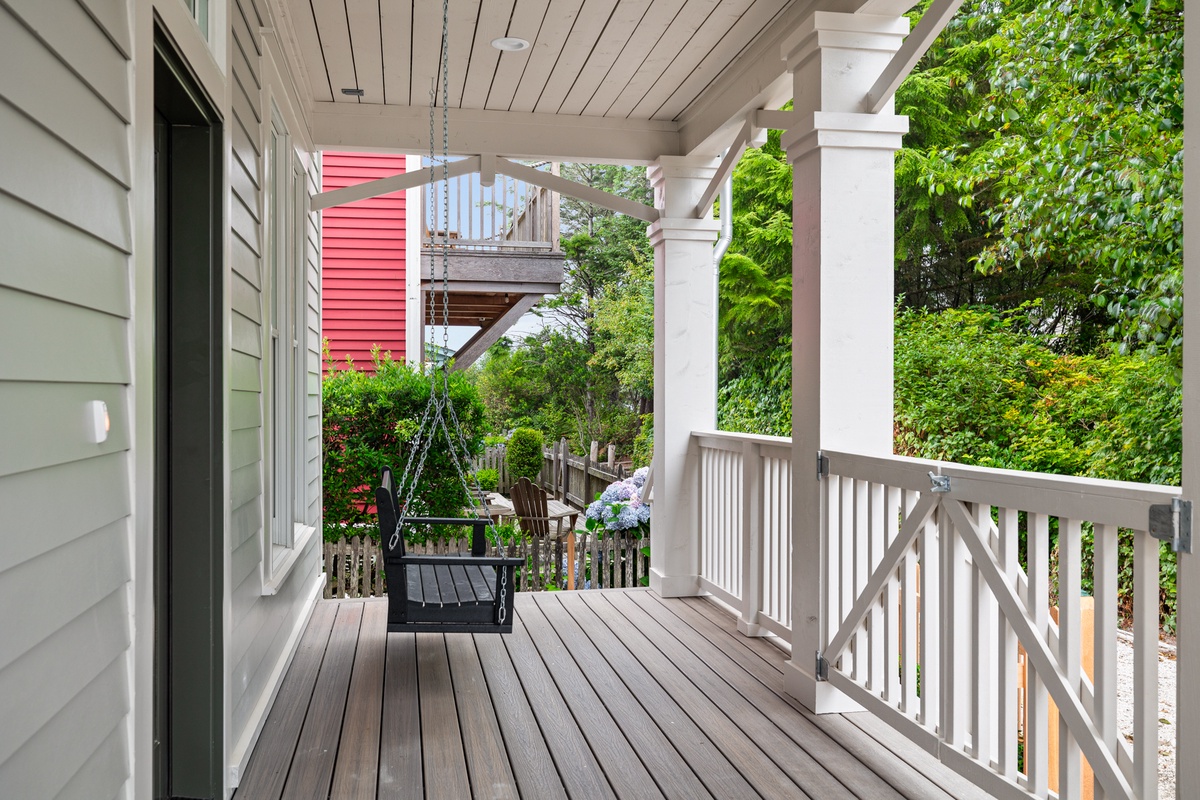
{"x": 603, "y": 80}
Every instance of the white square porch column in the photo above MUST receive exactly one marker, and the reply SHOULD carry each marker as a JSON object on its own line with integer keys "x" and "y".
{"x": 685, "y": 365}
{"x": 843, "y": 248}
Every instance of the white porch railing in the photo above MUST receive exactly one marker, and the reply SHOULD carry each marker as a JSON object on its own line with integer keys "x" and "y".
{"x": 746, "y": 527}
{"x": 508, "y": 216}
{"x": 927, "y": 603}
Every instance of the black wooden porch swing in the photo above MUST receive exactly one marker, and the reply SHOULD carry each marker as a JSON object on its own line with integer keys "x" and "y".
{"x": 442, "y": 593}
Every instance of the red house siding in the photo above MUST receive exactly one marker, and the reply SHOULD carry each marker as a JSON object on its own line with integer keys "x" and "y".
{"x": 363, "y": 269}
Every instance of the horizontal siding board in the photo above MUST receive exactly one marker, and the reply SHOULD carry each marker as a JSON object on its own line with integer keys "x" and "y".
{"x": 246, "y": 521}
{"x": 246, "y": 73}
{"x": 72, "y": 343}
{"x": 45, "y": 257}
{"x": 245, "y": 145}
{"x": 113, "y": 18}
{"x": 103, "y": 775}
{"x": 53, "y": 177}
{"x": 244, "y": 33}
{"x": 245, "y": 107}
{"x": 246, "y": 372}
{"x": 245, "y": 448}
{"x": 94, "y": 566}
{"x": 247, "y": 335}
{"x": 244, "y": 223}
{"x": 245, "y": 410}
{"x": 72, "y": 34}
{"x": 244, "y": 561}
{"x": 35, "y": 502}
{"x": 248, "y": 265}
{"x": 245, "y": 299}
{"x": 53, "y": 427}
{"x": 70, "y": 739}
{"x": 245, "y": 186}
{"x": 245, "y": 484}
{"x": 59, "y": 102}
{"x": 38, "y": 684}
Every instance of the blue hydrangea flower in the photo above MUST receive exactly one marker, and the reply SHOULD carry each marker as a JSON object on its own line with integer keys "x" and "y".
{"x": 639, "y": 476}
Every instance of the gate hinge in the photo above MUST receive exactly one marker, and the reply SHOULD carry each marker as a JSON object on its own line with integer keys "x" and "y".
{"x": 822, "y": 667}
{"x": 1173, "y": 523}
{"x": 822, "y": 465}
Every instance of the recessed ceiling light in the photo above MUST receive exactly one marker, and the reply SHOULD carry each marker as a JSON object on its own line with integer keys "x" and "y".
{"x": 353, "y": 92}
{"x": 510, "y": 43}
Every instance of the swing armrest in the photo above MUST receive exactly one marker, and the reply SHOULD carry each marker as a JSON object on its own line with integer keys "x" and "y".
{"x": 478, "y": 540}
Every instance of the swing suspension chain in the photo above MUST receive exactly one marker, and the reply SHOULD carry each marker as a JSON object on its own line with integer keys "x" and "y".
{"x": 439, "y": 415}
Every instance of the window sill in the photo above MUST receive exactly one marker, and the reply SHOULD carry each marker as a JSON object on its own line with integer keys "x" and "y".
{"x": 278, "y": 564}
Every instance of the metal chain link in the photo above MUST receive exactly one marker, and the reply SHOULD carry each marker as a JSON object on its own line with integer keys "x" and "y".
{"x": 439, "y": 414}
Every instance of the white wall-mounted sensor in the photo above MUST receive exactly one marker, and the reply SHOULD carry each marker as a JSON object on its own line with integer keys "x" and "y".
{"x": 97, "y": 421}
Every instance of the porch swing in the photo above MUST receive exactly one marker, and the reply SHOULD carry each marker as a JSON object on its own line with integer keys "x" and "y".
{"x": 464, "y": 593}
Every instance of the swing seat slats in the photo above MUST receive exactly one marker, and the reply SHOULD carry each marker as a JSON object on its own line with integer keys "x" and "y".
{"x": 443, "y": 593}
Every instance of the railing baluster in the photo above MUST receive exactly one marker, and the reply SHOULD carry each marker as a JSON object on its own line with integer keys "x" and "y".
{"x": 1007, "y": 683}
{"x": 876, "y": 542}
{"x": 1104, "y": 589}
{"x": 910, "y": 609}
{"x": 984, "y": 686}
{"x": 1145, "y": 666}
{"x": 752, "y": 537}
{"x": 1068, "y": 648}
{"x": 1036, "y": 699}
{"x": 930, "y": 675}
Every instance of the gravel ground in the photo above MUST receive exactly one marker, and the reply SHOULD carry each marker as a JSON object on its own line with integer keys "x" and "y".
{"x": 1166, "y": 709}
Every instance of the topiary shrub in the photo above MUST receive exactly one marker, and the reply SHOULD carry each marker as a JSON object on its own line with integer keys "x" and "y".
{"x": 488, "y": 479}
{"x": 369, "y": 421}
{"x": 524, "y": 454}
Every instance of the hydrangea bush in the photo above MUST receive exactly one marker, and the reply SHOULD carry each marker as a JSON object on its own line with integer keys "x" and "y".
{"x": 620, "y": 509}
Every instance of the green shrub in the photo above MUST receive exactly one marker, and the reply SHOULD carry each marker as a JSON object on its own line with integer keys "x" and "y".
{"x": 524, "y": 454}
{"x": 369, "y": 421}
{"x": 488, "y": 479}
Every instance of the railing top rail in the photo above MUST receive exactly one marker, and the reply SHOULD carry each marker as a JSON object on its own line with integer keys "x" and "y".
{"x": 1122, "y": 503}
{"x": 710, "y": 437}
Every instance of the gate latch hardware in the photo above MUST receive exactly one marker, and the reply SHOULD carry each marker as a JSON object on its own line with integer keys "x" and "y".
{"x": 1173, "y": 523}
{"x": 822, "y": 465}
{"x": 939, "y": 484}
{"x": 822, "y": 667}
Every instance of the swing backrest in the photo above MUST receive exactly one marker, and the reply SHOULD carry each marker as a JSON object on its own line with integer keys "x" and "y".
{"x": 385, "y": 503}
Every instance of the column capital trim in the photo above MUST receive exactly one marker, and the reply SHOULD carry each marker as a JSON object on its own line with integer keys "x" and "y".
{"x": 844, "y": 130}
{"x": 834, "y": 30}
{"x": 683, "y": 229}
{"x": 697, "y": 168}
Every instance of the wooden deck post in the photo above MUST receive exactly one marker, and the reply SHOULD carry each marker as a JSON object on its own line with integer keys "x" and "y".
{"x": 1187, "y": 775}
{"x": 685, "y": 369}
{"x": 842, "y": 264}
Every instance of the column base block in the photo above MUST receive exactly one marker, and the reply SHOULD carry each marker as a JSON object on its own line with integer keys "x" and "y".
{"x": 674, "y": 585}
{"x": 748, "y": 628}
{"x": 817, "y": 696}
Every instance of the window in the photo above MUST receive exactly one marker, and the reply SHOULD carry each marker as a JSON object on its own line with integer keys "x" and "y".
{"x": 199, "y": 12}
{"x": 286, "y": 350}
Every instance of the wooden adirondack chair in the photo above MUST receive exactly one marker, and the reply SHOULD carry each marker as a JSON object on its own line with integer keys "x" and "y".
{"x": 532, "y": 507}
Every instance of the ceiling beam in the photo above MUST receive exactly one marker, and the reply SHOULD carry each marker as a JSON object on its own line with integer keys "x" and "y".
{"x": 579, "y": 191}
{"x": 916, "y": 44}
{"x": 405, "y": 129}
{"x": 395, "y": 183}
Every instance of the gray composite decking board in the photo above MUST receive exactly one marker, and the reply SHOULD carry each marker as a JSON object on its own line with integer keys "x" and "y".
{"x": 675, "y": 773}
{"x": 267, "y": 770}
{"x": 529, "y": 756}
{"x": 444, "y": 760}
{"x": 692, "y": 740}
{"x": 357, "y": 766}
{"x": 626, "y": 773}
{"x": 577, "y": 765}
{"x": 765, "y": 695}
{"x": 793, "y": 759}
{"x": 312, "y": 766}
{"x": 618, "y": 716}
{"x": 592, "y": 690}
{"x": 400, "y": 771}
{"x": 487, "y": 758}
{"x": 756, "y": 766}
{"x": 893, "y": 764}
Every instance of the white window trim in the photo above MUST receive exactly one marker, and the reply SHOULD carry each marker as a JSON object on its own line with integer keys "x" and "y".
{"x": 285, "y": 230}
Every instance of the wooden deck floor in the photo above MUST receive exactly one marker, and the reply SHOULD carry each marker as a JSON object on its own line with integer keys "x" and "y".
{"x": 594, "y": 695}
